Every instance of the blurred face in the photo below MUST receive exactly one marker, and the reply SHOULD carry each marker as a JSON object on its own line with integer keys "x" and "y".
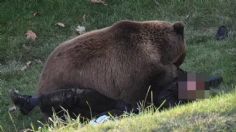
{"x": 192, "y": 86}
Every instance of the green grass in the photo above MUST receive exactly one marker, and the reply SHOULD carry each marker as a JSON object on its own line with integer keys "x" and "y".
{"x": 205, "y": 54}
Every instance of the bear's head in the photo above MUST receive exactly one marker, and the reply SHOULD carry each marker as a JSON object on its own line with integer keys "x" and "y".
{"x": 163, "y": 37}
{"x": 168, "y": 40}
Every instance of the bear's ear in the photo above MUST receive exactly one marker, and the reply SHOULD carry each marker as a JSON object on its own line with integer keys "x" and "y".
{"x": 179, "y": 28}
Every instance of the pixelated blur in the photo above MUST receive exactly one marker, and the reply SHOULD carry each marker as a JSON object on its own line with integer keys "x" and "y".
{"x": 193, "y": 86}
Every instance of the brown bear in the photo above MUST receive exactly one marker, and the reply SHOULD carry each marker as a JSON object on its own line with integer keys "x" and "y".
{"x": 119, "y": 62}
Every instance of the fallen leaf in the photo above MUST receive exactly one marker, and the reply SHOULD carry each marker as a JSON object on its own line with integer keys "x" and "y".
{"x": 98, "y": 2}
{"x": 36, "y": 14}
{"x": 80, "y": 29}
{"x": 30, "y": 35}
{"x": 60, "y": 24}
{"x": 28, "y": 64}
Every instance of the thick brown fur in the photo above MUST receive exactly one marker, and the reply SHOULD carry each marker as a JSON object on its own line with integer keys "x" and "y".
{"x": 119, "y": 61}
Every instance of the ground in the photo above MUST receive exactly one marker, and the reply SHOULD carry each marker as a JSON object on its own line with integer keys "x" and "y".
{"x": 205, "y": 54}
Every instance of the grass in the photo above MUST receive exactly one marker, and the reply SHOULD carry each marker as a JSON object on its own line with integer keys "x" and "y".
{"x": 205, "y": 54}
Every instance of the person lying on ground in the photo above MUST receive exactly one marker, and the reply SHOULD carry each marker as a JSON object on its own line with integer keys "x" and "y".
{"x": 88, "y": 103}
